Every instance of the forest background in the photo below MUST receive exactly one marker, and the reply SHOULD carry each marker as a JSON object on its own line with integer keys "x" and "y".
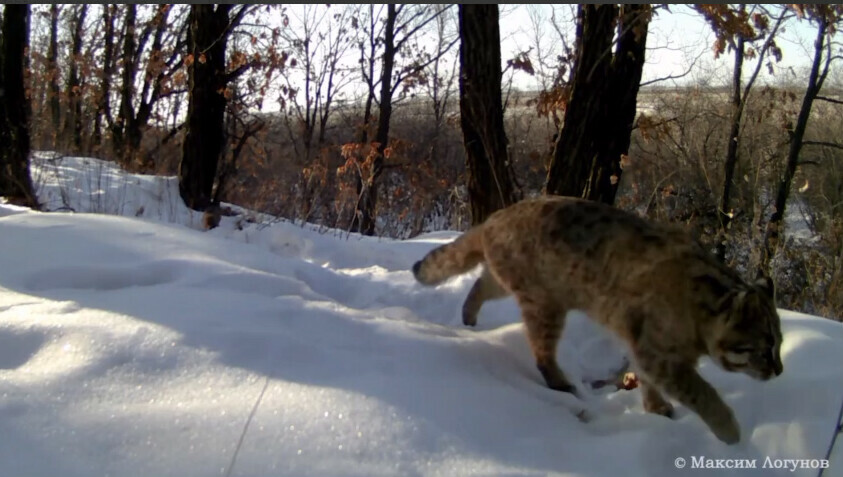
{"x": 394, "y": 120}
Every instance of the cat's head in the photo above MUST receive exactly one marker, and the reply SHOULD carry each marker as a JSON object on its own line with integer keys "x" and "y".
{"x": 749, "y": 337}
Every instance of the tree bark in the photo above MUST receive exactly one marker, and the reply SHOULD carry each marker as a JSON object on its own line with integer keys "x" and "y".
{"x": 600, "y": 114}
{"x": 731, "y": 150}
{"x": 15, "y": 181}
{"x": 149, "y": 95}
{"x": 489, "y": 179}
{"x": 103, "y": 104}
{"x": 54, "y": 93}
{"x": 204, "y": 139}
{"x": 73, "y": 118}
{"x": 126, "y": 113}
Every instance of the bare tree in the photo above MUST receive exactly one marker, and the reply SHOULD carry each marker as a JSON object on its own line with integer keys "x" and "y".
{"x": 368, "y": 43}
{"x": 318, "y": 40}
{"x": 440, "y": 77}
{"x": 107, "y": 70}
{"x": 827, "y": 19}
{"x": 73, "y": 89}
{"x": 54, "y": 92}
{"x": 158, "y": 61}
{"x": 742, "y": 29}
{"x": 549, "y": 46}
{"x": 401, "y": 25}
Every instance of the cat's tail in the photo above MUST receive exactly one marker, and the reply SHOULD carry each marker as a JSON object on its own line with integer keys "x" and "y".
{"x": 455, "y": 258}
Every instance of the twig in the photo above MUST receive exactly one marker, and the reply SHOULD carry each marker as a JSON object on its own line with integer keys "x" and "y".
{"x": 674, "y": 77}
{"x": 827, "y": 99}
{"x": 246, "y": 428}
{"x": 838, "y": 428}
{"x": 823, "y": 143}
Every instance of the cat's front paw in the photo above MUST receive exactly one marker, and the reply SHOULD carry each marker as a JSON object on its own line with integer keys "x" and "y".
{"x": 469, "y": 318}
{"x": 728, "y": 430}
{"x": 659, "y": 406}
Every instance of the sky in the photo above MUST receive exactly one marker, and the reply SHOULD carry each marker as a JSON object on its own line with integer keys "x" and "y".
{"x": 679, "y": 40}
{"x": 676, "y": 39}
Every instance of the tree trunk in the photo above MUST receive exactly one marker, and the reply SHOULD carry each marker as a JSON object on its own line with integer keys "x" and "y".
{"x": 363, "y": 139}
{"x": 600, "y": 114}
{"x": 364, "y": 219}
{"x": 131, "y": 123}
{"x": 103, "y": 103}
{"x": 204, "y": 139}
{"x": 15, "y": 181}
{"x": 489, "y": 180}
{"x": 368, "y": 71}
{"x": 731, "y": 150}
{"x": 126, "y": 113}
{"x": 54, "y": 94}
{"x": 310, "y": 106}
{"x": 774, "y": 226}
{"x": 73, "y": 118}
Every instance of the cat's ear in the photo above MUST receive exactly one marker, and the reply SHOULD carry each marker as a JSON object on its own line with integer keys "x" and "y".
{"x": 766, "y": 285}
{"x": 729, "y": 302}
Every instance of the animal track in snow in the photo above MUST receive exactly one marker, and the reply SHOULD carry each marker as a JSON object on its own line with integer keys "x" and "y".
{"x": 17, "y": 348}
{"x": 104, "y": 278}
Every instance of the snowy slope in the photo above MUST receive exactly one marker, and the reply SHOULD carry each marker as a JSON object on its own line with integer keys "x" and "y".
{"x": 130, "y": 346}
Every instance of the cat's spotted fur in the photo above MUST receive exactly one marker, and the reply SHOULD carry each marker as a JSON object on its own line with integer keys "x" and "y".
{"x": 651, "y": 284}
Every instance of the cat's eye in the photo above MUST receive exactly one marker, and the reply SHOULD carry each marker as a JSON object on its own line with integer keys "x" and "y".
{"x": 743, "y": 350}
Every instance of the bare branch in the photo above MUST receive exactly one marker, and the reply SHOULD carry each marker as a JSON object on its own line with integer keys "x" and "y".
{"x": 424, "y": 65}
{"x": 653, "y": 125}
{"x": 833, "y": 145}
{"x": 764, "y": 50}
{"x": 238, "y": 17}
{"x": 673, "y": 77}
{"x": 234, "y": 74}
{"x": 418, "y": 27}
{"x": 829, "y": 100}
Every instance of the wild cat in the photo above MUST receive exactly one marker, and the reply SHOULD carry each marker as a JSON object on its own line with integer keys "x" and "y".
{"x": 651, "y": 284}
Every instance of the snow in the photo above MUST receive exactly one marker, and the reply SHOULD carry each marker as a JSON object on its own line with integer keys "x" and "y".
{"x": 139, "y": 344}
